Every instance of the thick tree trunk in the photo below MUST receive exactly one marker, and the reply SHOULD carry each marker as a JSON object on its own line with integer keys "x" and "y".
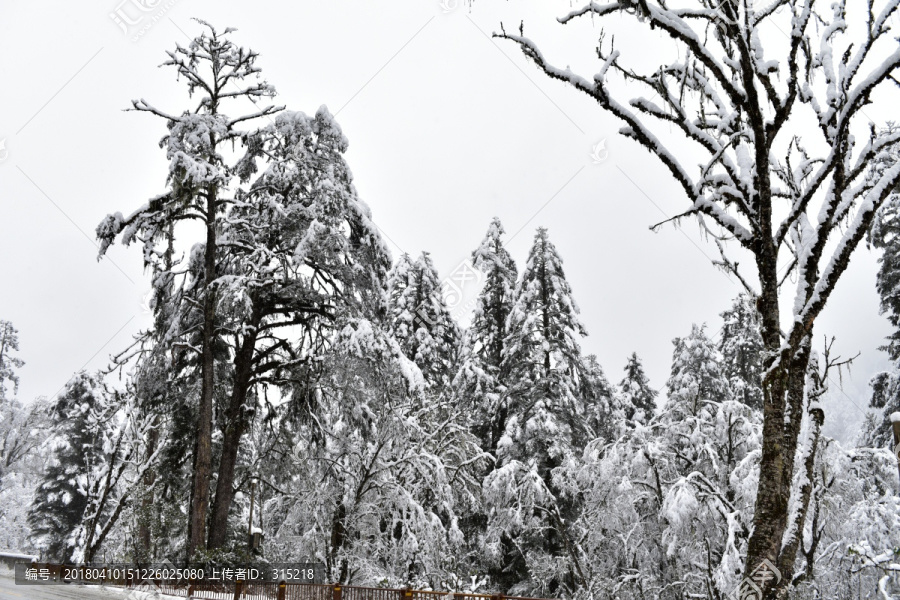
{"x": 203, "y": 448}
{"x": 783, "y": 389}
{"x": 771, "y": 501}
{"x": 798, "y": 519}
{"x": 338, "y": 535}
{"x": 236, "y": 424}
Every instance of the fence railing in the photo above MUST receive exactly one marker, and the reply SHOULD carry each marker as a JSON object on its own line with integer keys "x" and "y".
{"x": 282, "y": 590}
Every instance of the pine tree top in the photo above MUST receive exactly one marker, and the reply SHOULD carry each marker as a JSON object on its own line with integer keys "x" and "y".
{"x": 419, "y": 319}
{"x": 697, "y": 378}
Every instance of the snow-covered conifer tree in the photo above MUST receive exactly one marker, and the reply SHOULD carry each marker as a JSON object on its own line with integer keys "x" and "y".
{"x": 420, "y": 322}
{"x": 877, "y": 431}
{"x": 9, "y": 343}
{"x": 543, "y": 357}
{"x": 401, "y": 308}
{"x": 80, "y": 445}
{"x": 300, "y": 251}
{"x": 547, "y": 423}
{"x": 61, "y": 498}
{"x": 741, "y": 348}
{"x": 697, "y": 381}
{"x": 199, "y": 183}
{"x": 483, "y": 375}
{"x": 636, "y": 398}
{"x": 600, "y": 404}
{"x": 885, "y": 398}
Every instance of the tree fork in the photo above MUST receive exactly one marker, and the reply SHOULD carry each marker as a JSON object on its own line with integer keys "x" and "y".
{"x": 235, "y": 426}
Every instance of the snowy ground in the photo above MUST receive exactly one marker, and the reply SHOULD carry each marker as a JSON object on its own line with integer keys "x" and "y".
{"x": 10, "y": 591}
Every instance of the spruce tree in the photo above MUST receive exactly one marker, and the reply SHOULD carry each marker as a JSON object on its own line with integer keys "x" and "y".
{"x": 599, "y": 400}
{"x": 637, "y": 398}
{"x": 420, "y": 322}
{"x": 548, "y": 423}
{"x": 62, "y": 497}
{"x": 697, "y": 380}
{"x": 9, "y": 343}
{"x": 483, "y": 375}
{"x": 885, "y": 400}
{"x": 885, "y": 236}
{"x": 544, "y": 361}
{"x": 741, "y": 348}
{"x": 401, "y": 307}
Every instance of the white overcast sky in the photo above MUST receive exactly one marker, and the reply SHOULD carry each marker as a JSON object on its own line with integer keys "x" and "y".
{"x": 447, "y": 129}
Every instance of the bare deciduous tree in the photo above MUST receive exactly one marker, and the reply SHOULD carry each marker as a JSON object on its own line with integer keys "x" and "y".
{"x": 792, "y": 170}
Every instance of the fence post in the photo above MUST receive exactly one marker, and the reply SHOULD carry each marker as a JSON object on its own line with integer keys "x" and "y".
{"x": 336, "y": 591}
{"x": 281, "y": 589}
{"x": 238, "y": 588}
{"x": 405, "y": 593}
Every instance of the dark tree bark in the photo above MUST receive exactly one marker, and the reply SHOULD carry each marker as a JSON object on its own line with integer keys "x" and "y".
{"x": 217, "y": 70}
{"x": 203, "y": 450}
{"x": 235, "y": 426}
{"x": 740, "y": 113}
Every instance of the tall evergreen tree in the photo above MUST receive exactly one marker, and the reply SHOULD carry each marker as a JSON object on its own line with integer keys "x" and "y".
{"x": 885, "y": 236}
{"x": 420, "y": 322}
{"x": 63, "y": 496}
{"x": 598, "y": 396}
{"x": 199, "y": 183}
{"x": 548, "y": 423}
{"x": 544, "y": 361}
{"x": 637, "y": 398}
{"x": 401, "y": 306}
{"x": 301, "y": 252}
{"x": 741, "y": 348}
{"x": 885, "y": 399}
{"x": 289, "y": 249}
{"x": 9, "y": 343}
{"x": 483, "y": 375}
{"x": 697, "y": 380}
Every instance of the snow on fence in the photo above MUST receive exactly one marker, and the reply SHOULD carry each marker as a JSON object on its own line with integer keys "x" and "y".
{"x": 293, "y": 591}
{"x": 9, "y": 558}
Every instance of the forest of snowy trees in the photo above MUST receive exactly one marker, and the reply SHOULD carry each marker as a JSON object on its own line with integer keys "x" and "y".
{"x": 295, "y": 364}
